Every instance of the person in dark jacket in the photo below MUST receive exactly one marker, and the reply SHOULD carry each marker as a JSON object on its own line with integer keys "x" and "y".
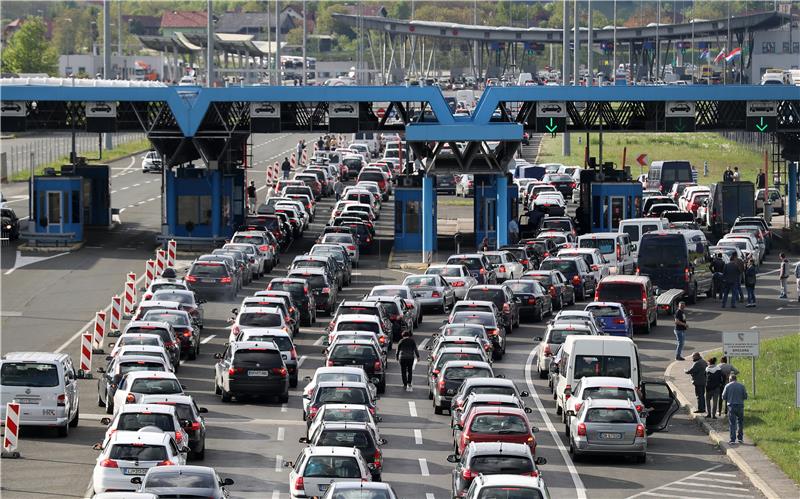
{"x": 286, "y": 167}
{"x": 714, "y": 383}
{"x": 717, "y": 266}
{"x": 750, "y": 282}
{"x": 731, "y": 278}
{"x": 734, "y": 395}
{"x": 698, "y": 374}
{"x": 407, "y": 353}
{"x": 727, "y": 369}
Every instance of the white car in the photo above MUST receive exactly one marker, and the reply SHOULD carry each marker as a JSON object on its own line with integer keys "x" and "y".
{"x": 743, "y": 244}
{"x": 132, "y": 453}
{"x": 554, "y": 336}
{"x": 187, "y": 81}
{"x": 134, "y": 417}
{"x": 250, "y": 316}
{"x": 135, "y": 384}
{"x": 136, "y": 339}
{"x": 593, "y": 258}
{"x": 759, "y": 249}
{"x": 336, "y": 373}
{"x": 344, "y": 413}
{"x": 346, "y": 241}
{"x": 403, "y": 292}
{"x": 317, "y": 468}
{"x": 151, "y": 162}
{"x": 602, "y": 387}
{"x": 457, "y": 276}
{"x": 157, "y": 351}
{"x": 163, "y": 283}
{"x": 506, "y": 265}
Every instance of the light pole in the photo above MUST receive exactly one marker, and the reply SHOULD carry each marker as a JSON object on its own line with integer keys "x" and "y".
{"x": 305, "y": 61}
{"x": 209, "y": 45}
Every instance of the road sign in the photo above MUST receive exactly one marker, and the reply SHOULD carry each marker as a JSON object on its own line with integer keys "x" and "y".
{"x": 740, "y": 344}
{"x": 17, "y": 109}
{"x": 265, "y": 109}
{"x": 101, "y": 109}
{"x": 679, "y": 109}
{"x": 761, "y": 116}
{"x": 642, "y": 159}
{"x": 551, "y": 109}
{"x": 343, "y": 110}
{"x": 762, "y": 108}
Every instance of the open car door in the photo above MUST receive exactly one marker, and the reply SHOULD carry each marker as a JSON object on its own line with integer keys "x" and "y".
{"x": 662, "y": 403}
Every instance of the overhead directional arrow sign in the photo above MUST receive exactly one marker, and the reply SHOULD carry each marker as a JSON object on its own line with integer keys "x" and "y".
{"x": 762, "y": 127}
{"x": 642, "y": 159}
{"x": 551, "y": 116}
{"x": 679, "y": 116}
{"x": 551, "y": 127}
{"x": 762, "y": 116}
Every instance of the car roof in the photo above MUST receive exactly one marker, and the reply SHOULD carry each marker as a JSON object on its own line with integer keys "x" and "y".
{"x": 307, "y": 271}
{"x": 357, "y": 318}
{"x": 479, "y": 398}
{"x": 260, "y": 310}
{"x": 171, "y": 398}
{"x": 477, "y": 448}
{"x": 253, "y": 345}
{"x": 36, "y": 356}
{"x": 629, "y": 279}
{"x": 325, "y": 450}
{"x": 605, "y": 304}
{"x": 348, "y": 384}
{"x": 133, "y": 375}
{"x": 462, "y": 363}
{"x": 487, "y": 381}
{"x": 593, "y": 381}
{"x": 517, "y": 411}
{"x": 343, "y": 425}
{"x": 148, "y": 324}
{"x": 144, "y": 437}
{"x": 338, "y": 369}
{"x": 612, "y": 403}
{"x": 533, "y": 482}
{"x": 159, "y": 408}
{"x": 482, "y": 303}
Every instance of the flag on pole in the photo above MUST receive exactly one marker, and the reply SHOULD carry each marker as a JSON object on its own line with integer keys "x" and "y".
{"x": 733, "y": 54}
{"x": 705, "y": 54}
{"x": 720, "y": 56}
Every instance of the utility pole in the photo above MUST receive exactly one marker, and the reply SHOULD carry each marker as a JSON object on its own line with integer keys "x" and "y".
{"x": 278, "y": 44}
{"x": 269, "y": 47}
{"x": 209, "y": 45}
{"x": 106, "y": 57}
{"x": 119, "y": 29}
{"x": 305, "y": 61}
{"x": 589, "y": 40}
{"x": 614, "y": 54}
{"x": 575, "y": 46}
{"x": 565, "y": 69}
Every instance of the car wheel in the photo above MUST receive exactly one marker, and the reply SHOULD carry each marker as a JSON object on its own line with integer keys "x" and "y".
{"x": 100, "y": 401}
{"x": 537, "y": 317}
{"x": 693, "y": 297}
{"x": 75, "y": 418}
{"x": 192, "y": 354}
{"x": 430, "y": 395}
{"x": 558, "y": 409}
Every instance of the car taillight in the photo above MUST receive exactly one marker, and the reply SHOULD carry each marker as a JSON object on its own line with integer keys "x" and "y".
{"x": 280, "y": 371}
{"x": 190, "y": 278}
{"x": 619, "y": 321}
{"x": 293, "y": 353}
{"x": 235, "y": 370}
{"x": 394, "y": 317}
{"x": 435, "y": 294}
{"x": 548, "y": 352}
{"x": 61, "y": 400}
{"x": 187, "y": 334}
{"x": 524, "y": 261}
{"x": 578, "y": 407}
{"x": 147, "y": 296}
{"x": 130, "y": 398}
{"x": 531, "y": 473}
{"x": 108, "y": 463}
{"x": 492, "y": 332}
{"x": 502, "y": 268}
{"x": 573, "y": 185}
{"x": 595, "y": 268}
{"x": 640, "y": 430}
{"x": 567, "y": 391}
{"x": 482, "y": 271}
{"x": 576, "y": 280}
{"x": 179, "y": 436}
{"x": 619, "y": 253}
{"x": 441, "y": 387}
{"x": 532, "y": 300}
{"x": 581, "y": 430}
{"x": 235, "y": 331}
{"x": 644, "y": 299}
{"x": 546, "y": 254}
{"x": 382, "y": 340}
{"x": 597, "y": 294}
{"x": 639, "y": 408}
{"x": 468, "y": 474}
{"x": 377, "y": 366}
{"x": 686, "y": 274}
{"x": 312, "y": 412}
{"x": 226, "y": 280}
{"x": 435, "y": 372}
{"x": 195, "y": 426}
{"x": 329, "y": 363}
{"x": 263, "y": 247}
{"x": 377, "y": 458}
{"x": 351, "y": 247}
{"x": 170, "y": 344}
{"x": 457, "y": 284}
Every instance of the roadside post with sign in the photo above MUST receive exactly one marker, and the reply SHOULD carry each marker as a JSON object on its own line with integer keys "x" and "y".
{"x": 742, "y": 344}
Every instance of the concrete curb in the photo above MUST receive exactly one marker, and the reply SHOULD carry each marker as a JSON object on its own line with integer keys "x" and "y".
{"x": 721, "y": 441}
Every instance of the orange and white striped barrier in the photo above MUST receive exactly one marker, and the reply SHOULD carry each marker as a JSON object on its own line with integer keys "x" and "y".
{"x": 130, "y": 295}
{"x": 161, "y": 262}
{"x": 172, "y": 250}
{"x": 149, "y": 272}
{"x": 11, "y": 436}
{"x": 86, "y": 354}
{"x": 305, "y": 157}
{"x": 99, "y": 330}
{"x": 115, "y": 320}
{"x": 293, "y": 161}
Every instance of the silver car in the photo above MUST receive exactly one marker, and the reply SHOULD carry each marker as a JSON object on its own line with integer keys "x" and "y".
{"x": 555, "y": 336}
{"x": 457, "y": 276}
{"x": 607, "y": 426}
{"x": 431, "y": 291}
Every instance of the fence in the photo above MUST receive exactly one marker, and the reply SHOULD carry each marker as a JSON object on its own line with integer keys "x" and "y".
{"x": 754, "y": 141}
{"x": 34, "y": 152}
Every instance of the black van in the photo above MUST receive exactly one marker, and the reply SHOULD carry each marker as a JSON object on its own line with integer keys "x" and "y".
{"x": 663, "y": 174}
{"x": 672, "y": 261}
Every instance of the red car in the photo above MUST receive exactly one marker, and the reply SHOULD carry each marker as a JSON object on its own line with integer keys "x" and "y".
{"x": 496, "y": 424}
{"x": 636, "y": 293}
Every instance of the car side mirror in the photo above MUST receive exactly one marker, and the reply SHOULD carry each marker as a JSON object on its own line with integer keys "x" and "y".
{"x": 111, "y": 344}
{"x": 524, "y": 394}
{"x": 201, "y": 301}
{"x": 324, "y": 351}
{"x": 383, "y": 441}
{"x": 137, "y": 480}
{"x": 105, "y": 421}
{"x": 97, "y": 446}
{"x": 108, "y": 358}
{"x": 303, "y": 440}
{"x": 540, "y": 461}
{"x": 202, "y": 410}
{"x": 458, "y": 426}
{"x": 227, "y": 481}
{"x": 218, "y": 356}
{"x": 534, "y": 429}
{"x": 528, "y": 410}
{"x": 452, "y": 458}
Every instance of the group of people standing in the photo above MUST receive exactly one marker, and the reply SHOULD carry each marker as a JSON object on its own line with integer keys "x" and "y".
{"x": 717, "y": 383}
{"x": 728, "y": 279}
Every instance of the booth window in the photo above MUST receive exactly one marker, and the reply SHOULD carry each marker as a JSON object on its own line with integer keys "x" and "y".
{"x": 398, "y": 217}
{"x": 54, "y": 207}
{"x": 195, "y": 209}
{"x": 412, "y": 216}
{"x": 76, "y": 207}
{"x": 597, "y": 212}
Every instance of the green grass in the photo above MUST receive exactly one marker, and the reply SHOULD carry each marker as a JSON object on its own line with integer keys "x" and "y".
{"x": 771, "y": 418}
{"x": 454, "y": 202}
{"x": 695, "y": 147}
{"x": 118, "y": 152}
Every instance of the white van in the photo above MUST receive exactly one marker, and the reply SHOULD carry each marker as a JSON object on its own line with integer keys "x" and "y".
{"x": 46, "y": 387}
{"x": 636, "y": 227}
{"x": 372, "y": 140}
{"x": 616, "y": 249}
{"x": 595, "y": 356}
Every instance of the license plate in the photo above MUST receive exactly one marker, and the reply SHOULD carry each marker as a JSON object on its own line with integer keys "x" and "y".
{"x": 135, "y": 471}
{"x": 611, "y": 436}
{"x": 419, "y": 295}
{"x": 258, "y": 373}
{"x": 208, "y": 280}
{"x": 323, "y": 487}
{"x": 27, "y": 401}
{"x": 48, "y": 412}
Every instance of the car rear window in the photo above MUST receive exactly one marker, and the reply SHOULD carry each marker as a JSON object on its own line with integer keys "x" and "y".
{"x": 559, "y": 336}
{"x": 175, "y": 319}
{"x": 493, "y": 295}
{"x": 609, "y": 415}
{"x": 567, "y": 267}
{"x": 168, "y": 295}
{"x": 291, "y": 287}
{"x": 315, "y": 281}
{"x": 469, "y": 263}
{"x": 345, "y": 438}
{"x": 463, "y": 330}
{"x": 310, "y": 264}
{"x": 371, "y": 176}
{"x": 338, "y": 377}
{"x": 137, "y": 421}
{"x": 182, "y": 479}
{"x": 208, "y": 270}
{"x": 602, "y": 365}
{"x": 484, "y": 319}
{"x": 345, "y": 415}
{"x": 419, "y": 281}
{"x": 357, "y": 352}
{"x": 457, "y": 373}
{"x": 33, "y": 374}
{"x": 503, "y": 424}
{"x": 140, "y": 365}
{"x": 257, "y": 358}
{"x": 282, "y": 342}
{"x": 617, "y": 291}
{"x": 544, "y": 280}
{"x": 156, "y": 386}
{"x": 605, "y": 245}
{"x": 604, "y": 311}
{"x": 260, "y": 319}
{"x": 506, "y": 492}
{"x": 339, "y": 238}
{"x": 166, "y": 285}
{"x": 609, "y": 392}
{"x": 342, "y": 395}
{"x": 663, "y": 251}
{"x": 359, "y": 326}
{"x": 557, "y": 225}
{"x": 494, "y": 465}
{"x": 138, "y": 452}
{"x": 522, "y": 287}
{"x": 248, "y": 239}
{"x": 492, "y": 390}
{"x": 137, "y": 340}
{"x": 448, "y": 356}
{"x": 332, "y": 466}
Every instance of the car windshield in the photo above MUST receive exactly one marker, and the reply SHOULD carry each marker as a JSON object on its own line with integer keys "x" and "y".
{"x": 460, "y": 373}
{"x": 138, "y": 452}
{"x": 605, "y": 311}
{"x": 140, "y": 365}
{"x": 494, "y": 465}
{"x": 493, "y": 295}
{"x": 609, "y": 392}
{"x": 345, "y": 438}
{"x": 359, "y": 326}
{"x": 463, "y": 330}
{"x": 342, "y": 395}
{"x": 613, "y": 291}
{"x": 137, "y": 421}
{"x": 32, "y": 374}
{"x": 501, "y": 424}
{"x": 559, "y": 336}
{"x": 260, "y": 319}
{"x": 345, "y": 415}
{"x": 257, "y": 358}
{"x": 182, "y": 479}
{"x": 332, "y": 466}
{"x": 168, "y": 295}
{"x": 156, "y": 386}
{"x": 361, "y": 353}
{"x": 605, "y": 245}
{"x": 176, "y": 319}
{"x": 602, "y": 365}
{"x": 567, "y": 267}
{"x": 470, "y": 263}
{"x": 610, "y": 415}
{"x": 484, "y": 319}
{"x": 419, "y": 281}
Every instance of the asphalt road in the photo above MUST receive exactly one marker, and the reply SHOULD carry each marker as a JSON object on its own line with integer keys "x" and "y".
{"x": 51, "y": 301}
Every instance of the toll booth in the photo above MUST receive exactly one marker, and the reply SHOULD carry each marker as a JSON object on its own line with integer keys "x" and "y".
{"x": 96, "y": 192}
{"x": 612, "y": 202}
{"x": 408, "y": 212}
{"x": 58, "y": 209}
{"x": 203, "y": 205}
{"x": 486, "y": 208}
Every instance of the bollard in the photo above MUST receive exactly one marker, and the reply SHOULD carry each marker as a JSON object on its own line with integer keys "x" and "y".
{"x": 10, "y": 438}
{"x": 99, "y": 331}
{"x": 293, "y": 161}
{"x": 130, "y": 295}
{"x": 149, "y": 273}
{"x": 116, "y": 314}
{"x": 172, "y": 250}
{"x": 86, "y": 355}
{"x": 161, "y": 260}
{"x": 305, "y": 157}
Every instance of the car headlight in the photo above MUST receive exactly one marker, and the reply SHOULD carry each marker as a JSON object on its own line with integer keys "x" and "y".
{"x": 8, "y": 227}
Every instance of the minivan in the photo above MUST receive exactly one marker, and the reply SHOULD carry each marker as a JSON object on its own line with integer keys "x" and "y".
{"x": 582, "y": 356}
{"x": 46, "y": 387}
{"x": 675, "y": 259}
{"x": 636, "y": 293}
{"x": 636, "y": 227}
{"x": 371, "y": 139}
{"x": 616, "y": 249}
{"x": 663, "y": 174}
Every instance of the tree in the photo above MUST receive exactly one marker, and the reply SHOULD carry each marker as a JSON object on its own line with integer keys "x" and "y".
{"x": 28, "y": 51}
{"x": 328, "y": 25}
{"x": 295, "y": 36}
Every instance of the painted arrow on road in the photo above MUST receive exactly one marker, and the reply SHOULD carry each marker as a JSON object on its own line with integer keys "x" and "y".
{"x": 642, "y": 159}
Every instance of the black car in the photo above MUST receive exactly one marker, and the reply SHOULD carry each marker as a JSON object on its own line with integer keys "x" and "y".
{"x": 533, "y": 299}
{"x": 190, "y": 418}
{"x": 211, "y": 278}
{"x": 10, "y": 224}
{"x": 577, "y": 272}
{"x": 445, "y": 184}
{"x": 503, "y": 298}
{"x": 544, "y": 247}
{"x": 187, "y": 332}
{"x": 321, "y": 284}
{"x": 360, "y": 353}
{"x": 478, "y": 266}
{"x": 561, "y": 292}
{"x": 251, "y": 368}
{"x": 301, "y": 295}
{"x": 563, "y": 183}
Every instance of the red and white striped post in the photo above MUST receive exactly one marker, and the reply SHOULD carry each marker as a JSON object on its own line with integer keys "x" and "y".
{"x": 11, "y": 437}
{"x": 99, "y": 330}
{"x": 172, "y": 250}
{"x": 130, "y": 295}
{"x": 86, "y": 354}
{"x": 293, "y": 161}
{"x": 149, "y": 272}
{"x": 161, "y": 261}
{"x": 115, "y": 320}
{"x": 305, "y": 157}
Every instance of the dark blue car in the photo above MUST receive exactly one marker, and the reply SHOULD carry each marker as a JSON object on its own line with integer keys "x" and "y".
{"x": 613, "y": 317}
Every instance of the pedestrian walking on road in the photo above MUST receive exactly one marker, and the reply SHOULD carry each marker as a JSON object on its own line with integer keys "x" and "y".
{"x": 407, "y": 353}
{"x": 680, "y": 330}
{"x": 286, "y": 167}
{"x": 698, "y": 374}
{"x": 734, "y": 396}
{"x": 731, "y": 280}
{"x": 251, "y": 196}
{"x": 320, "y": 143}
{"x": 750, "y": 282}
{"x": 338, "y": 188}
{"x": 714, "y": 383}
{"x": 727, "y": 369}
{"x": 783, "y": 276}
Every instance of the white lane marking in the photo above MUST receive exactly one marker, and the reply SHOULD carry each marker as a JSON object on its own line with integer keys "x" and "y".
{"x": 284, "y": 408}
{"x": 717, "y": 479}
{"x": 423, "y": 467}
{"x": 278, "y": 463}
{"x": 319, "y": 340}
{"x": 125, "y": 188}
{"x": 151, "y": 200}
{"x": 6, "y": 313}
{"x": 113, "y": 192}
{"x": 652, "y": 491}
{"x": 766, "y": 327}
{"x": 122, "y": 209}
{"x": 716, "y": 473}
{"x": 207, "y": 339}
{"x": 418, "y": 437}
{"x": 276, "y": 494}
{"x": 423, "y": 344}
{"x": 666, "y": 495}
{"x": 300, "y": 361}
{"x": 23, "y": 261}
{"x": 684, "y": 484}
{"x": 693, "y": 490}
{"x": 281, "y": 434}
{"x": 430, "y": 495}
{"x": 580, "y": 489}
{"x": 412, "y": 408}
{"x": 136, "y": 185}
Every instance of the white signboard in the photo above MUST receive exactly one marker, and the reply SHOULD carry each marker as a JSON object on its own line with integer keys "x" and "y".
{"x": 551, "y": 109}
{"x": 679, "y": 109}
{"x": 265, "y": 109}
{"x": 13, "y": 108}
{"x": 343, "y": 110}
{"x": 580, "y": 106}
{"x": 744, "y": 344}
{"x": 762, "y": 108}
{"x": 101, "y": 109}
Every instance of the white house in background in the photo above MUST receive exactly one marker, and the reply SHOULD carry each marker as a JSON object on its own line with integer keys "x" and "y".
{"x": 775, "y": 49}
{"x": 132, "y": 67}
